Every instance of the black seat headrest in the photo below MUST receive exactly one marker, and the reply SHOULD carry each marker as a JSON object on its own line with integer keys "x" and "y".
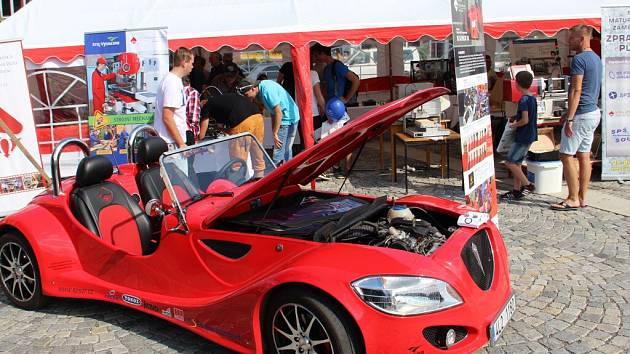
{"x": 150, "y": 150}
{"x": 93, "y": 170}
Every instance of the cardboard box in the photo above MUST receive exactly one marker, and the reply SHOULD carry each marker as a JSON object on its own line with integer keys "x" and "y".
{"x": 544, "y": 149}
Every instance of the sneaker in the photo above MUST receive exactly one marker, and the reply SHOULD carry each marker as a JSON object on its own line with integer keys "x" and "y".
{"x": 512, "y": 195}
{"x": 528, "y": 189}
{"x": 324, "y": 177}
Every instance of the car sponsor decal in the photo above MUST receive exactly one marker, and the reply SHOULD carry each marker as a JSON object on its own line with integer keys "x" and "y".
{"x": 111, "y": 295}
{"x": 84, "y": 291}
{"x": 150, "y": 306}
{"x": 167, "y": 312}
{"x": 130, "y": 299}
{"x": 178, "y": 314}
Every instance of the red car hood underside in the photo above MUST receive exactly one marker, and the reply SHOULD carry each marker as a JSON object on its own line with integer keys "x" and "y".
{"x": 312, "y": 162}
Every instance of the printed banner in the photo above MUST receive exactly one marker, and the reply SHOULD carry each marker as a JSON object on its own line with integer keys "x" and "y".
{"x": 124, "y": 69}
{"x": 616, "y": 93}
{"x": 19, "y": 179}
{"x": 474, "y": 106}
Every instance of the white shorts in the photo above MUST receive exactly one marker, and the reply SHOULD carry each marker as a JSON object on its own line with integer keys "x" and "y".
{"x": 584, "y": 126}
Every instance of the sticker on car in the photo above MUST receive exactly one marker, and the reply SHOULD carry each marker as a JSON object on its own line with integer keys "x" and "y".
{"x": 133, "y": 300}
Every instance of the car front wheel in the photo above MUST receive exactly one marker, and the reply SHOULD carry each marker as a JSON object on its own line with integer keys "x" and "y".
{"x": 19, "y": 273}
{"x": 303, "y": 323}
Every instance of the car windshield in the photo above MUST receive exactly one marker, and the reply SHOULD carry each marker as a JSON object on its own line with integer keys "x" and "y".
{"x": 214, "y": 168}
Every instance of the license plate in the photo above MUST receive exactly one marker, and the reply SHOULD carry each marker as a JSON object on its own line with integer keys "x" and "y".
{"x": 500, "y": 322}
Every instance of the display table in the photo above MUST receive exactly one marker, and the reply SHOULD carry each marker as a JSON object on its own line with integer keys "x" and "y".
{"x": 406, "y": 140}
{"x": 548, "y": 121}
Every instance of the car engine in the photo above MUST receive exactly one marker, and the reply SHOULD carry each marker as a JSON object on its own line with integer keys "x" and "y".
{"x": 347, "y": 219}
{"x": 414, "y": 235}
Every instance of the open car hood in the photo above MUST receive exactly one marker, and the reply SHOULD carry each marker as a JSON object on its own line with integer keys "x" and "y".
{"x": 309, "y": 164}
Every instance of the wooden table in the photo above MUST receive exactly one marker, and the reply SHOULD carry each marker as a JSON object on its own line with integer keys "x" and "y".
{"x": 443, "y": 141}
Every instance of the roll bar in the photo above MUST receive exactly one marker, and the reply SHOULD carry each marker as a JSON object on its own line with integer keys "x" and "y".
{"x": 131, "y": 143}
{"x": 54, "y": 161}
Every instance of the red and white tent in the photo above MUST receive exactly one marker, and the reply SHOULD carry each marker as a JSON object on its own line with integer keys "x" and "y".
{"x": 54, "y": 30}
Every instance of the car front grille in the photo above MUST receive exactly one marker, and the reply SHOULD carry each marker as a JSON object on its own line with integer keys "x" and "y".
{"x": 479, "y": 259}
{"x": 437, "y": 335}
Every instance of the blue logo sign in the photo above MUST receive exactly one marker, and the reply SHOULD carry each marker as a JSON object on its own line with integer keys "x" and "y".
{"x": 104, "y": 43}
{"x": 130, "y": 299}
{"x": 612, "y": 95}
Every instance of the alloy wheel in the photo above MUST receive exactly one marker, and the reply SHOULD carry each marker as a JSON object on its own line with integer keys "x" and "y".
{"x": 17, "y": 272}
{"x": 297, "y": 330}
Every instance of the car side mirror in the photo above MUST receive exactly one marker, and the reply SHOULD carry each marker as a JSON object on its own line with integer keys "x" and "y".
{"x": 154, "y": 208}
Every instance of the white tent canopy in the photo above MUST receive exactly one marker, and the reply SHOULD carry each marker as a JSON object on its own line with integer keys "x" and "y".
{"x": 56, "y": 28}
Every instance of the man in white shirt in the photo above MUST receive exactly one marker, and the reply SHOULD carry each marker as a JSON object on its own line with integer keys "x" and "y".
{"x": 170, "y": 103}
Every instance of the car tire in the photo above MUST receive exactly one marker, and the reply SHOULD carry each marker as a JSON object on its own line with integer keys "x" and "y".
{"x": 19, "y": 273}
{"x": 329, "y": 323}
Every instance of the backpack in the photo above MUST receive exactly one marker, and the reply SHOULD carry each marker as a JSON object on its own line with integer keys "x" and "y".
{"x": 352, "y": 101}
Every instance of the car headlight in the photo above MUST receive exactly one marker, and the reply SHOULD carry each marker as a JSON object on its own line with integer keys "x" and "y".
{"x": 406, "y": 295}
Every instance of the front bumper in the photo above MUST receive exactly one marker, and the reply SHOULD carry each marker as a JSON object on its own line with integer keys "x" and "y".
{"x": 385, "y": 333}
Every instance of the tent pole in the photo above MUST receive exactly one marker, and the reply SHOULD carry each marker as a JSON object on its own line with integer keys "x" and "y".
{"x": 304, "y": 92}
{"x": 389, "y": 62}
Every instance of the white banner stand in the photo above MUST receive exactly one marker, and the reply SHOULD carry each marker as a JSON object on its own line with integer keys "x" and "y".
{"x": 19, "y": 179}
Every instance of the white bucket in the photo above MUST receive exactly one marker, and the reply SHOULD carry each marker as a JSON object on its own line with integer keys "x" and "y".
{"x": 545, "y": 175}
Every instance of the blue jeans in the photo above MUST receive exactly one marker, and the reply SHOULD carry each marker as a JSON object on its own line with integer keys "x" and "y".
{"x": 286, "y": 134}
{"x": 517, "y": 153}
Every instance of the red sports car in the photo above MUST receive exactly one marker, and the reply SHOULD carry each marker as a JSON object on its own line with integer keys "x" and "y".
{"x": 218, "y": 240}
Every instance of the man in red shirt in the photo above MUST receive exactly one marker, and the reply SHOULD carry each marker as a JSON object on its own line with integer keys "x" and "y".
{"x": 474, "y": 20}
{"x": 98, "y": 84}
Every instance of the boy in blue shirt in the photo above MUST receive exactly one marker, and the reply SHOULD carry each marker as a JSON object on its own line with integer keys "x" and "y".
{"x": 525, "y": 123}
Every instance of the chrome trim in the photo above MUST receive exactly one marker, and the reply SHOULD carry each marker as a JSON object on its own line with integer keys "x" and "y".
{"x": 218, "y": 140}
{"x": 54, "y": 161}
{"x": 131, "y": 146}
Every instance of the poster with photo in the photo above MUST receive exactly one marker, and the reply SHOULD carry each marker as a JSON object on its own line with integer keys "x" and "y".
{"x": 616, "y": 93}
{"x": 124, "y": 69}
{"x": 467, "y": 23}
{"x": 474, "y": 107}
{"x": 19, "y": 179}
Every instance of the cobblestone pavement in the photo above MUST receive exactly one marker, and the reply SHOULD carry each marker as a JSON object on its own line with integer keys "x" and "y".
{"x": 570, "y": 272}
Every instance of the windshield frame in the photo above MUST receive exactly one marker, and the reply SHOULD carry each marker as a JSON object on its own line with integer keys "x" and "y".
{"x": 167, "y": 181}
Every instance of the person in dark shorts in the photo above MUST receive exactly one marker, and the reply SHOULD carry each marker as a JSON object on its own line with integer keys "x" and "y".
{"x": 525, "y": 123}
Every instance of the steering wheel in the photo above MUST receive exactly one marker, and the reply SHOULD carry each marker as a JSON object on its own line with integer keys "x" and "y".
{"x": 234, "y": 171}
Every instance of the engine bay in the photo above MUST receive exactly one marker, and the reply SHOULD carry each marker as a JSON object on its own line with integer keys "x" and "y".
{"x": 329, "y": 218}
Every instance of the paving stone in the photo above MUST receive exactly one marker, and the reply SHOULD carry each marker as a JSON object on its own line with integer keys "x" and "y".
{"x": 621, "y": 342}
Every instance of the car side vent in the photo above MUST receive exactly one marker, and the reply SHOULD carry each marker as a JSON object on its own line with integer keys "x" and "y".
{"x": 479, "y": 259}
{"x": 229, "y": 249}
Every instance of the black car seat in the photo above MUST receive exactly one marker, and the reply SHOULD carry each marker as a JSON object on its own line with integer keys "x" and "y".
{"x": 107, "y": 209}
{"x": 149, "y": 181}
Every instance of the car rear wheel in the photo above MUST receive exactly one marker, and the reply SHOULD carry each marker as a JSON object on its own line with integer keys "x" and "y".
{"x": 19, "y": 273}
{"x": 301, "y": 323}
